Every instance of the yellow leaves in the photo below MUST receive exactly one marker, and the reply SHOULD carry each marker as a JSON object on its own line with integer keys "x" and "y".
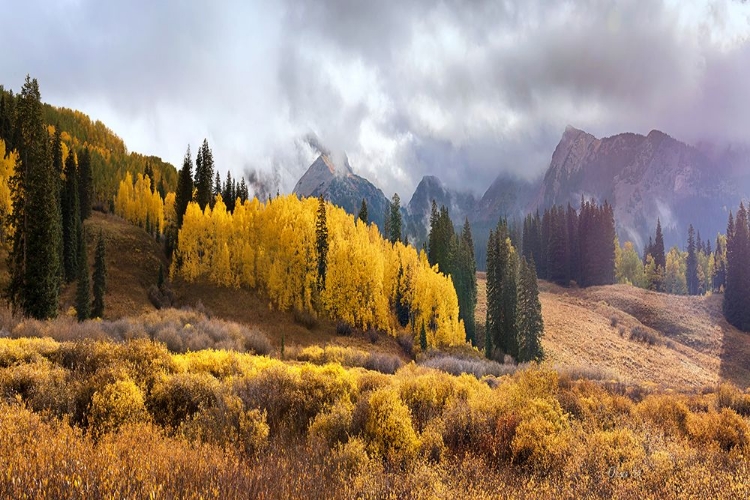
{"x": 272, "y": 247}
{"x": 7, "y": 169}
{"x": 136, "y": 203}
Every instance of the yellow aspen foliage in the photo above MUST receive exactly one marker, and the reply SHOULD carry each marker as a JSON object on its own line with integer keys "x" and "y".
{"x": 136, "y": 203}
{"x": 7, "y": 169}
{"x": 271, "y": 247}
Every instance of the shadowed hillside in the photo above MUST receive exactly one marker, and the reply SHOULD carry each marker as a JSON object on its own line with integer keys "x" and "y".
{"x": 640, "y": 336}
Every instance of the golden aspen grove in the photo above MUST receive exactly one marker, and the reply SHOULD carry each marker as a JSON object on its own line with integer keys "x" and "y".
{"x": 139, "y": 204}
{"x": 270, "y": 247}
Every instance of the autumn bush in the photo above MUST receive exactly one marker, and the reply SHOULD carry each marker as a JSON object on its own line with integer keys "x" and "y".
{"x": 133, "y": 419}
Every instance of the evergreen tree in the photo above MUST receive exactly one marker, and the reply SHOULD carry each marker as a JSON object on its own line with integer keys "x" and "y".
{"x": 529, "y": 322}
{"x": 440, "y": 240}
{"x": 184, "y": 193}
{"x": 737, "y": 294}
{"x": 395, "y": 224}
{"x": 149, "y": 172}
{"x": 244, "y": 194}
{"x": 574, "y": 267}
{"x": 100, "y": 278}
{"x": 162, "y": 188}
{"x": 217, "y": 188}
{"x": 720, "y": 266}
{"x": 387, "y": 221}
{"x": 227, "y": 194}
{"x": 502, "y": 297}
{"x": 71, "y": 218}
{"x": 34, "y": 258}
{"x": 465, "y": 282}
{"x": 204, "y": 175}
{"x": 558, "y": 257}
{"x": 83, "y": 288}
{"x": 57, "y": 152}
{"x": 362, "y": 215}
{"x": 321, "y": 238}
{"x": 658, "y": 250}
{"x": 691, "y": 272}
{"x": 401, "y": 305}
{"x": 85, "y": 183}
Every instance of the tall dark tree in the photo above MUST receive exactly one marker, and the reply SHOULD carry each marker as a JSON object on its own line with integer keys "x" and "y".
{"x": 57, "y": 152}
{"x": 184, "y": 193}
{"x": 558, "y": 256}
{"x": 71, "y": 218}
{"x": 85, "y": 183}
{"x": 529, "y": 322}
{"x": 395, "y": 223}
{"x": 34, "y": 258}
{"x": 227, "y": 194}
{"x": 362, "y": 215}
{"x": 204, "y": 175}
{"x": 149, "y": 172}
{"x": 321, "y": 242}
{"x": 737, "y": 294}
{"x": 658, "y": 250}
{"x": 502, "y": 270}
{"x": 100, "y": 278}
{"x": 691, "y": 271}
{"x": 440, "y": 238}
{"x": 83, "y": 286}
{"x": 571, "y": 217}
{"x": 465, "y": 281}
{"x": 720, "y": 269}
{"x": 217, "y": 188}
{"x": 244, "y": 195}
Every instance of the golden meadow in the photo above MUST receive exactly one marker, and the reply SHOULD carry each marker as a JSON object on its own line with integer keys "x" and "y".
{"x": 123, "y": 417}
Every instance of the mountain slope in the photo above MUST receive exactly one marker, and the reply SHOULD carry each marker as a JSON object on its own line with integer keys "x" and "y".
{"x": 590, "y": 329}
{"x": 342, "y": 187}
{"x": 644, "y": 177}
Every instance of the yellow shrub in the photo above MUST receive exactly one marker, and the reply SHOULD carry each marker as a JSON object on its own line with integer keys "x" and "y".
{"x": 333, "y": 426}
{"x": 116, "y": 404}
{"x": 388, "y": 427}
{"x": 540, "y": 438}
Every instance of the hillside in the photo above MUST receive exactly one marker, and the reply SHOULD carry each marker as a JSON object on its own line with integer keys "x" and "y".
{"x": 133, "y": 260}
{"x": 590, "y": 329}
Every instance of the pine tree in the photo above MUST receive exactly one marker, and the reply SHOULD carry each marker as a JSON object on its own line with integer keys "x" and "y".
{"x": 423, "y": 339}
{"x": 100, "y": 278}
{"x": 217, "y": 188}
{"x": 558, "y": 258}
{"x": 83, "y": 288}
{"x": 204, "y": 175}
{"x": 321, "y": 242}
{"x": 502, "y": 269}
{"x": 362, "y": 215}
{"x": 465, "y": 281}
{"x": 71, "y": 218}
{"x": 85, "y": 183}
{"x": 395, "y": 222}
{"x": 737, "y": 295}
{"x": 691, "y": 272}
{"x": 658, "y": 250}
{"x": 493, "y": 296}
{"x": 184, "y": 193}
{"x": 34, "y": 258}
{"x": 529, "y": 322}
{"x": 149, "y": 172}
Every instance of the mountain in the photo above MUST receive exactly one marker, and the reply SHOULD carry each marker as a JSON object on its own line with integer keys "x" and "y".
{"x": 645, "y": 177}
{"x": 460, "y": 205}
{"x": 341, "y": 186}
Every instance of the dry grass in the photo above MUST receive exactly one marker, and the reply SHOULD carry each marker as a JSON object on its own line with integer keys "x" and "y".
{"x": 692, "y": 345}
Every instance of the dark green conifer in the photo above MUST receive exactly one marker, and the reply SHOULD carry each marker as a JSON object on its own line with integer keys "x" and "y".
{"x": 362, "y": 215}
{"x": 71, "y": 218}
{"x": 100, "y": 278}
{"x": 321, "y": 242}
{"x": 83, "y": 287}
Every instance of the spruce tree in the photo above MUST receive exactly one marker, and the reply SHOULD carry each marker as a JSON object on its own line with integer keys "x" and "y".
{"x": 362, "y": 215}
{"x": 34, "y": 258}
{"x": 204, "y": 175}
{"x": 493, "y": 297}
{"x": 737, "y": 295}
{"x": 321, "y": 242}
{"x": 85, "y": 183}
{"x": 502, "y": 269}
{"x": 184, "y": 193}
{"x": 691, "y": 272}
{"x": 83, "y": 288}
{"x": 465, "y": 281}
{"x": 658, "y": 250}
{"x": 71, "y": 218}
{"x": 217, "y": 188}
{"x": 558, "y": 257}
{"x": 529, "y": 322}
{"x": 100, "y": 278}
{"x": 395, "y": 223}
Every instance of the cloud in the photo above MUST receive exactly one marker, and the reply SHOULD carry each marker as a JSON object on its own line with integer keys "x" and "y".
{"x": 462, "y": 90}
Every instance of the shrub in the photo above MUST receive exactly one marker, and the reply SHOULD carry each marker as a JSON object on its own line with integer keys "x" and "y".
{"x": 472, "y": 366}
{"x": 178, "y": 397}
{"x": 729, "y": 396}
{"x": 388, "y": 428}
{"x": 305, "y": 319}
{"x": 406, "y": 341}
{"x": 383, "y": 363}
{"x": 643, "y": 335}
{"x": 116, "y": 404}
{"x": 333, "y": 426}
{"x": 343, "y": 328}
{"x": 613, "y": 320}
{"x": 540, "y": 438}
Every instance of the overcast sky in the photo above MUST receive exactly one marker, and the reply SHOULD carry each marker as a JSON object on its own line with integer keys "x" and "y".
{"x": 463, "y": 90}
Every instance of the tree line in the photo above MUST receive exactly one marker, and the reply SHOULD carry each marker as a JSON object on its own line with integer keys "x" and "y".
{"x": 50, "y": 194}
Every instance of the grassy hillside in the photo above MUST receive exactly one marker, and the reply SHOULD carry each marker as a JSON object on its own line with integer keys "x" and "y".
{"x": 133, "y": 260}
{"x": 643, "y": 337}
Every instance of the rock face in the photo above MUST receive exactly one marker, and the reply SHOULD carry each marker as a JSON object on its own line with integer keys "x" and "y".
{"x": 645, "y": 177}
{"x": 342, "y": 187}
{"x": 460, "y": 206}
